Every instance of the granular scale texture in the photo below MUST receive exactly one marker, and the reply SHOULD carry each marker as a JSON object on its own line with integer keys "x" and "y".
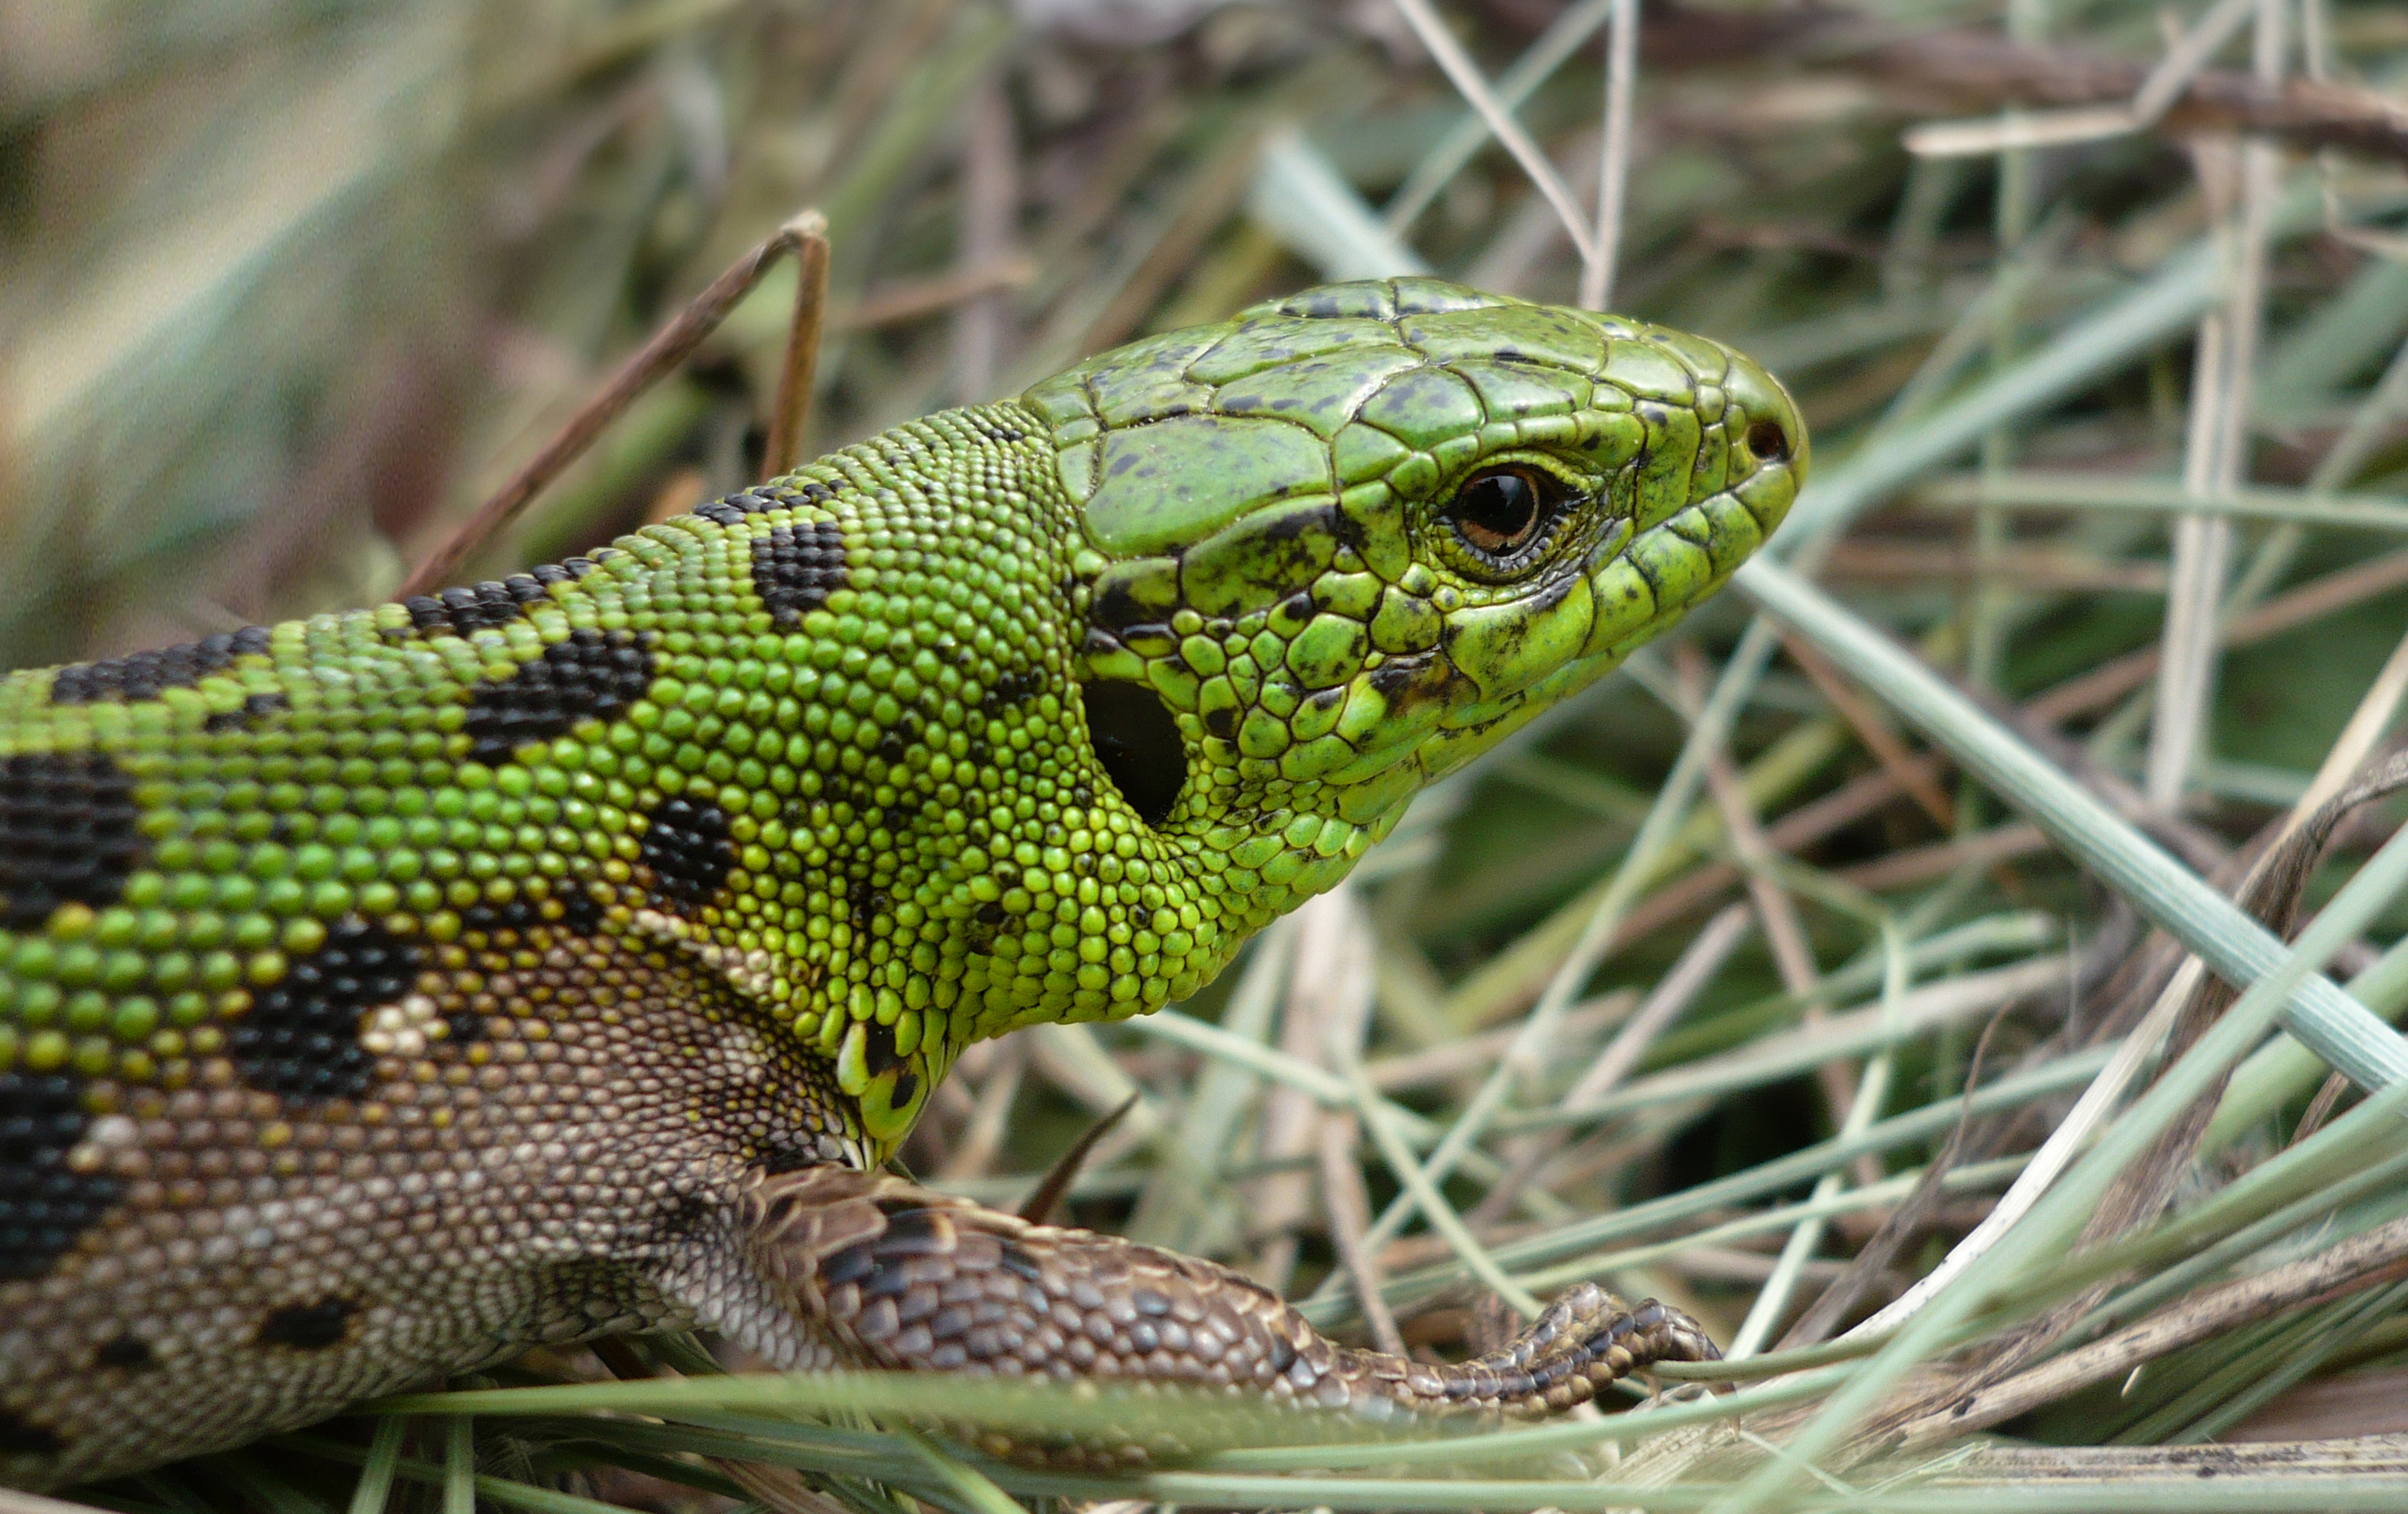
{"x": 44, "y": 1203}
{"x": 67, "y": 833}
{"x": 589, "y": 676}
{"x": 301, "y": 1037}
{"x": 144, "y": 674}
{"x": 384, "y": 992}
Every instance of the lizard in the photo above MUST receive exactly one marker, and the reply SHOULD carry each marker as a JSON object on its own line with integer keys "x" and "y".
{"x": 384, "y": 993}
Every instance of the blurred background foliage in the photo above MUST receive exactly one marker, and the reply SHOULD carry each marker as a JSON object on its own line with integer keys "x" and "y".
{"x": 288, "y": 286}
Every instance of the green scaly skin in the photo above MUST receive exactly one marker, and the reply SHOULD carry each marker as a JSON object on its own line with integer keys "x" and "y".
{"x": 385, "y": 992}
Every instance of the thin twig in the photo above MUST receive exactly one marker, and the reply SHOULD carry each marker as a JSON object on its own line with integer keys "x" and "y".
{"x": 908, "y": 299}
{"x": 1349, "y": 1205}
{"x": 1037, "y": 1208}
{"x": 806, "y": 236}
{"x": 1452, "y": 1060}
{"x": 1783, "y": 931}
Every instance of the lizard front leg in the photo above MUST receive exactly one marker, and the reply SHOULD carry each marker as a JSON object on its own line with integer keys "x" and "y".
{"x": 883, "y": 1272}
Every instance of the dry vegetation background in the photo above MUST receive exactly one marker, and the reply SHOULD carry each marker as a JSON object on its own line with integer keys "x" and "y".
{"x": 2096, "y": 308}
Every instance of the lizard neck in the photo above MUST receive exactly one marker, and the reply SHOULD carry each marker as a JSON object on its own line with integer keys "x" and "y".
{"x": 878, "y": 807}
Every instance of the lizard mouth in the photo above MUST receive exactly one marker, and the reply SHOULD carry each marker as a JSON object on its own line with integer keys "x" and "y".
{"x": 1138, "y": 743}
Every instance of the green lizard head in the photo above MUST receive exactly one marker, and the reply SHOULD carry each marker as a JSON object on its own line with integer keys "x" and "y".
{"x": 1310, "y": 559}
{"x": 1338, "y": 546}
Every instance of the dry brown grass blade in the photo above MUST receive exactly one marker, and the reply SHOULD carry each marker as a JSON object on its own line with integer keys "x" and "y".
{"x": 1976, "y": 67}
{"x": 2280, "y": 862}
{"x": 2087, "y": 693}
{"x": 807, "y": 237}
{"x": 1348, "y": 1204}
{"x": 2311, "y": 1462}
{"x": 2377, "y": 1256}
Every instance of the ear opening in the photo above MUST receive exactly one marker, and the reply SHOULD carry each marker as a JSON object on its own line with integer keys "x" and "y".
{"x": 1138, "y": 742}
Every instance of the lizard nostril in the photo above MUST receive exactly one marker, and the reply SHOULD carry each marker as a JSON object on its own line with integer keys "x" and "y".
{"x": 1138, "y": 742}
{"x": 1768, "y": 441}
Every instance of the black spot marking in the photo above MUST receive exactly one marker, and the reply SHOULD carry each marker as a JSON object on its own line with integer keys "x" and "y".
{"x": 907, "y": 1085}
{"x": 796, "y": 568}
{"x": 1222, "y": 721}
{"x": 44, "y": 1206}
{"x": 877, "y": 1266}
{"x": 577, "y": 910}
{"x": 878, "y": 1051}
{"x": 1151, "y": 641}
{"x": 20, "y": 1436}
{"x": 127, "y": 1353}
{"x": 984, "y": 926}
{"x": 459, "y": 612}
{"x": 66, "y": 832}
{"x": 465, "y": 1027}
{"x": 732, "y": 510}
{"x": 1138, "y": 742}
{"x": 1012, "y": 690}
{"x": 308, "y": 1327}
{"x": 680, "y": 1219}
{"x": 1116, "y": 605}
{"x": 255, "y": 709}
{"x": 491, "y": 919}
{"x": 1409, "y": 681}
{"x": 686, "y": 847}
{"x": 911, "y": 1230}
{"x": 301, "y": 1037}
{"x": 144, "y": 674}
{"x": 592, "y": 673}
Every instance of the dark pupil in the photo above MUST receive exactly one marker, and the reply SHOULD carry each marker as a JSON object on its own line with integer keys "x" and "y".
{"x": 1496, "y": 512}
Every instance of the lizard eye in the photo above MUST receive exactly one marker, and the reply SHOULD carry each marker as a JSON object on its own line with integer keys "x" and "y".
{"x": 1501, "y": 513}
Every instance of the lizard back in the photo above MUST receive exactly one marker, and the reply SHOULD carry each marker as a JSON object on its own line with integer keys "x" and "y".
{"x": 383, "y": 993}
